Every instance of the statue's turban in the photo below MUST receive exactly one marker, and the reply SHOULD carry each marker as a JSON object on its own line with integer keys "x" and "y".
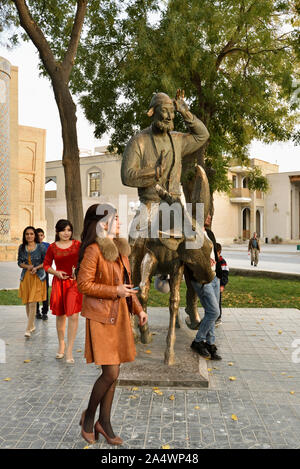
{"x": 158, "y": 99}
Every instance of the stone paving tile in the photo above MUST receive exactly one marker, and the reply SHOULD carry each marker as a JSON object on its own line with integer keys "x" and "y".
{"x": 40, "y": 406}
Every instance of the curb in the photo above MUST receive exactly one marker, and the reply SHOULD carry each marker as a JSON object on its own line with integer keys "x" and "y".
{"x": 264, "y": 273}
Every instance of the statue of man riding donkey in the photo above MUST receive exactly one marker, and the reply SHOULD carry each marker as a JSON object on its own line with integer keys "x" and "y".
{"x": 167, "y": 235}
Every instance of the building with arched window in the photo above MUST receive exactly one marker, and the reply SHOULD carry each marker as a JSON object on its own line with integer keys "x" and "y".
{"x": 100, "y": 182}
{"x": 22, "y": 168}
{"x": 236, "y": 215}
{"x": 242, "y": 212}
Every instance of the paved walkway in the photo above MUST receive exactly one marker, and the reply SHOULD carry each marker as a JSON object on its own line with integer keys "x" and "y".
{"x": 273, "y": 258}
{"x": 259, "y": 407}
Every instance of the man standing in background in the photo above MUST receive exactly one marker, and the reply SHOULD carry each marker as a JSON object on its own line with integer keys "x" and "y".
{"x": 254, "y": 248}
{"x": 45, "y": 307}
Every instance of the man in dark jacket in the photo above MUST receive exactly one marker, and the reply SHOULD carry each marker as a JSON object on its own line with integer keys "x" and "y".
{"x": 222, "y": 272}
{"x": 209, "y": 295}
{"x": 254, "y": 248}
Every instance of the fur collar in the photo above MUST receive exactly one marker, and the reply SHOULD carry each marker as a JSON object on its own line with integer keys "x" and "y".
{"x": 111, "y": 248}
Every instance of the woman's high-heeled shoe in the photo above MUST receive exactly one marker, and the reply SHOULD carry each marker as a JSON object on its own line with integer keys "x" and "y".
{"x": 112, "y": 441}
{"x": 70, "y": 360}
{"x": 89, "y": 437}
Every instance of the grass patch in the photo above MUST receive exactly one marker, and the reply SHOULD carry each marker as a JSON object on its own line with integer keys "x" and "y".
{"x": 241, "y": 292}
{"x": 246, "y": 292}
{"x": 10, "y": 297}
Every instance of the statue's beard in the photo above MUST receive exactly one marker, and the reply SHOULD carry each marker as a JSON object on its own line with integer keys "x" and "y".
{"x": 164, "y": 126}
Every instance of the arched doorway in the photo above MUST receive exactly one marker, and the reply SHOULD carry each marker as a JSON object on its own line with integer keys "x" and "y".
{"x": 246, "y": 222}
{"x": 245, "y": 182}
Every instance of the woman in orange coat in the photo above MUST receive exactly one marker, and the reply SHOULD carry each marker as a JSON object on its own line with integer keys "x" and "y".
{"x": 103, "y": 276}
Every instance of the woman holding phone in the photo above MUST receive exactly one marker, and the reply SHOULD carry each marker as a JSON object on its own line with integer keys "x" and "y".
{"x": 104, "y": 279}
{"x": 64, "y": 252}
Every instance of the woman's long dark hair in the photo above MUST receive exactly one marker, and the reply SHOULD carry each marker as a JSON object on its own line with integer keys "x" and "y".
{"x": 93, "y": 215}
{"x": 36, "y": 236}
{"x": 60, "y": 226}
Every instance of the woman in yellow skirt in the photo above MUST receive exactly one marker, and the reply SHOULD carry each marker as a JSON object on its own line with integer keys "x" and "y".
{"x": 33, "y": 286}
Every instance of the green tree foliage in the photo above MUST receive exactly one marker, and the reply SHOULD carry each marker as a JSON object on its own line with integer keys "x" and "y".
{"x": 236, "y": 60}
{"x": 55, "y": 28}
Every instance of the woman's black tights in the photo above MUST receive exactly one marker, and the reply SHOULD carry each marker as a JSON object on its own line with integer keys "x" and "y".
{"x": 103, "y": 394}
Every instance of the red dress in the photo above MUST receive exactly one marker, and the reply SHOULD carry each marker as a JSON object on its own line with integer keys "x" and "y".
{"x": 65, "y": 297}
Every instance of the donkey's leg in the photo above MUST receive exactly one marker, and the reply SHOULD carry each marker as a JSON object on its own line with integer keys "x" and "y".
{"x": 136, "y": 256}
{"x": 148, "y": 264}
{"x": 175, "y": 279}
{"x": 178, "y": 322}
{"x": 191, "y": 303}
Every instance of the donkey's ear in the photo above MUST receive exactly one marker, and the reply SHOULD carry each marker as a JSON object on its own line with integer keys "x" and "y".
{"x": 150, "y": 112}
{"x": 201, "y": 191}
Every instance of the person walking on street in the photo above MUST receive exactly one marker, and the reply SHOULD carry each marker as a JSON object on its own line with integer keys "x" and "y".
{"x": 104, "y": 278}
{"x": 32, "y": 288}
{"x": 254, "y": 249}
{"x": 65, "y": 300}
{"x": 45, "y": 307}
{"x": 209, "y": 295}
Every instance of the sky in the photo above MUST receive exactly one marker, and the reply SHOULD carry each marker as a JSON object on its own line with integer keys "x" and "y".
{"x": 37, "y": 108}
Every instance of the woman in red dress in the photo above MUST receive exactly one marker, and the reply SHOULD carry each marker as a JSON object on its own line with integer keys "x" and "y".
{"x": 65, "y": 298}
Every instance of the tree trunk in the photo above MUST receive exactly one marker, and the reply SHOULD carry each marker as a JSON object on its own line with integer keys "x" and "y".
{"x": 71, "y": 161}
{"x": 60, "y": 75}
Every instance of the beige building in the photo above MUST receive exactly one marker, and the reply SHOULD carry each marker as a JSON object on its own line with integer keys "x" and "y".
{"x": 242, "y": 212}
{"x": 283, "y": 206}
{"x": 100, "y": 182}
{"x": 236, "y": 215}
{"x": 22, "y": 168}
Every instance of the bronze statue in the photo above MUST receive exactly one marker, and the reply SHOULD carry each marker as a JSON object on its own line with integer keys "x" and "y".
{"x": 152, "y": 162}
{"x": 155, "y": 154}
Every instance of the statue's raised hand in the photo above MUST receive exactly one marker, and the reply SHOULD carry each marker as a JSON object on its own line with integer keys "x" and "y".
{"x": 179, "y": 103}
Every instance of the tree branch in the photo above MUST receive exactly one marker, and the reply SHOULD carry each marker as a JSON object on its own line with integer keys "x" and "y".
{"x": 68, "y": 61}
{"x": 36, "y": 35}
{"x": 246, "y": 51}
{"x": 227, "y": 48}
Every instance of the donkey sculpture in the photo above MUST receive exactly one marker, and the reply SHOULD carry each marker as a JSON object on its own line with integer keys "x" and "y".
{"x": 170, "y": 255}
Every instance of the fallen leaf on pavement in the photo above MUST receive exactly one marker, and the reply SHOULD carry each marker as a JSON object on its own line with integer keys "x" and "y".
{"x": 134, "y": 388}
{"x": 232, "y": 378}
{"x": 165, "y": 447}
{"x": 292, "y": 392}
{"x": 7, "y": 379}
{"x": 234, "y": 417}
{"x": 172, "y": 397}
{"x": 27, "y": 361}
